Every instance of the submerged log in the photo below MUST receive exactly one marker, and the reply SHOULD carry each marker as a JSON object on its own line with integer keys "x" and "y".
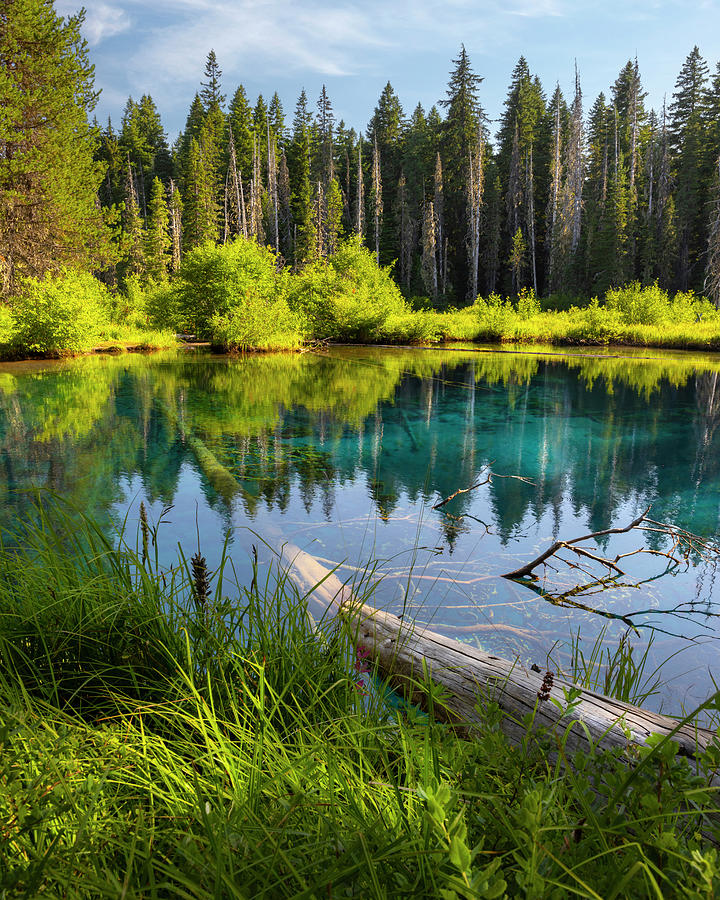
{"x": 472, "y": 678}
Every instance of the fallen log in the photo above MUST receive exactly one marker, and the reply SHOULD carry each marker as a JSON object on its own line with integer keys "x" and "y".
{"x": 471, "y": 678}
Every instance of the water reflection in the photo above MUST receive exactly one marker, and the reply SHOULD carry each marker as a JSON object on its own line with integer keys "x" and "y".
{"x": 349, "y": 449}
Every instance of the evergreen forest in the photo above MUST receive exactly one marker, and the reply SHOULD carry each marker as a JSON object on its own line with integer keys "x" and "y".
{"x": 559, "y": 195}
{"x": 563, "y": 197}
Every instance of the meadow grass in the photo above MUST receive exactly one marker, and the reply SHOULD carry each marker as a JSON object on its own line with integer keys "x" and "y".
{"x": 167, "y": 732}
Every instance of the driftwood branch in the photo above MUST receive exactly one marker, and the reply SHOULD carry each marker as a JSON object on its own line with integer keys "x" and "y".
{"x": 527, "y": 570}
{"x": 488, "y": 478}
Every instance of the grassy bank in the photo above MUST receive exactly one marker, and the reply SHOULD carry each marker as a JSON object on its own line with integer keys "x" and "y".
{"x": 239, "y": 297}
{"x": 159, "y": 740}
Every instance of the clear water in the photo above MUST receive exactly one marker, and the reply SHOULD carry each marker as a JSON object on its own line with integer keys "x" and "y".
{"x": 344, "y": 453}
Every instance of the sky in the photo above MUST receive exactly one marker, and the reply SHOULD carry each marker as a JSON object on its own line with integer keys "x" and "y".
{"x": 355, "y": 48}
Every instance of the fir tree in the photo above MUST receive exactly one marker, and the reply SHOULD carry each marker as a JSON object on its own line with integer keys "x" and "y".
{"x": 299, "y": 168}
{"x": 687, "y": 134}
{"x": 211, "y": 94}
{"x": 48, "y": 176}
{"x": 157, "y": 237}
{"x": 458, "y": 142}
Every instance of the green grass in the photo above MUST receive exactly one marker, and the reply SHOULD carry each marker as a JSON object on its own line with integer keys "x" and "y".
{"x": 160, "y": 740}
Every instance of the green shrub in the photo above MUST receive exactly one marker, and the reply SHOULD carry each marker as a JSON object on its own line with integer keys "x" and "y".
{"x": 7, "y": 324}
{"x": 527, "y": 304}
{"x": 59, "y": 314}
{"x": 638, "y": 305}
{"x": 347, "y": 298}
{"x": 232, "y": 289}
{"x": 495, "y": 315}
{"x": 410, "y": 328}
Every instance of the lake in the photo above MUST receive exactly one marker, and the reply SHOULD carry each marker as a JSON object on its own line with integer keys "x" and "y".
{"x": 345, "y": 452}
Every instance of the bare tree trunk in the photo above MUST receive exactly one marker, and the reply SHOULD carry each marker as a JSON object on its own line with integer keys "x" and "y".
{"x": 576, "y": 167}
{"x": 360, "y": 212}
{"x": 530, "y": 192}
{"x": 475, "y": 198}
{"x": 272, "y": 186}
{"x": 175, "y": 225}
{"x": 429, "y": 254}
{"x": 555, "y": 176}
{"x": 439, "y": 206}
{"x": 377, "y": 198}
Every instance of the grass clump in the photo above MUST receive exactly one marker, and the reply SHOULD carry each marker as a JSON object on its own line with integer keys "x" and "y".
{"x": 232, "y": 748}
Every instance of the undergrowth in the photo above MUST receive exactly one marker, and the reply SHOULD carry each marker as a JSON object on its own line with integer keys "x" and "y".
{"x": 160, "y": 739}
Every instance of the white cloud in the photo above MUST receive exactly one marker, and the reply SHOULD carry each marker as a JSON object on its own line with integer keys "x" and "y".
{"x": 102, "y": 20}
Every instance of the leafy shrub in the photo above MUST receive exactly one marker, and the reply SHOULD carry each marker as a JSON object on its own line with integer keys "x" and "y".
{"x": 60, "y": 314}
{"x": 494, "y": 313}
{"x": 347, "y": 298}
{"x": 7, "y": 324}
{"x": 231, "y": 290}
{"x": 638, "y": 305}
{"x": 527, "y": 304}
{"x": 410, "y": 328}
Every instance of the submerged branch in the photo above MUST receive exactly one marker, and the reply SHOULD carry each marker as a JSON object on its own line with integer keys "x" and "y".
{"x": 527, "y": 570}
{"x": 487, "y": 480}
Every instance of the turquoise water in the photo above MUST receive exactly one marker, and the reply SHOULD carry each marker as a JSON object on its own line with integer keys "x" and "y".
{"x": 344, "y": 453}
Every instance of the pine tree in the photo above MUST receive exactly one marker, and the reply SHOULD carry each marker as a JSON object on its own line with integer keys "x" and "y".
{"x": 687, "y": 133}
{"x": 386, "y": 131}
{"x": 299, "y": 167}
{"x": 157, "y": 237}
{"x": 200, "y": 221}
{"x": 211, "y": 93}
{"x": 458, "y": 142}
{"x": 276, "y": 118}
{"x": 48, "y": 177}
{"x": 712, "y": 271}
{"x": 334, "y": 216}
{"x": 240, "y": 122}
{"x": 133, "y": 253}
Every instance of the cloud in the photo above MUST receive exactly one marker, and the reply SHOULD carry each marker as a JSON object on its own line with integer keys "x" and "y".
{"x": 102, "y": 20}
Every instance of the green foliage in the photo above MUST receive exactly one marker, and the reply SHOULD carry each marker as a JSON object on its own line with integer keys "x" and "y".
{"x": 7, "y": 324}
{"x": 155, "y": 734}
{"x": 58, "y": 315}
{"x": 638, "y": 305}
{"x": 48, "y": 176}
{"x": 494, "y": 315}
{"x": 348, "y": 297}
{"x": 233, "y": 295}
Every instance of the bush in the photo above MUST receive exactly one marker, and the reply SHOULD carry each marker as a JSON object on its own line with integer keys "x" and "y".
{"x": 637, "y": 305}
{"x": 495, "y": 315}
{"x": 59, "y": 314}
{"x": 527, "y": 304}
{"x": 7, "y": 324}
{"x": 347, "y": 298}
{"x": 235, "y": 288}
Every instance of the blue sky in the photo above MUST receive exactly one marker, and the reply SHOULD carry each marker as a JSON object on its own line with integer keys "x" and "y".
{"x": 159, "y": 47}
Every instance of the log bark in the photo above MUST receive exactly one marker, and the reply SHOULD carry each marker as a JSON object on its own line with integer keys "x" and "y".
{"x": 472, "y": 678}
